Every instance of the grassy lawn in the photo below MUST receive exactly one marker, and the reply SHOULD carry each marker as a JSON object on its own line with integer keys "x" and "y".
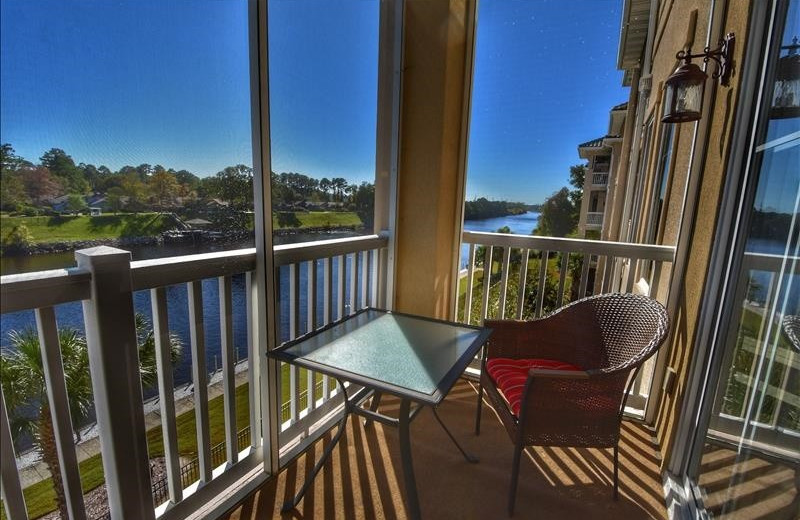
{"x": 477, "y": 280}
{"x": 83, "y": 227}
{"x": 315, "y": 219}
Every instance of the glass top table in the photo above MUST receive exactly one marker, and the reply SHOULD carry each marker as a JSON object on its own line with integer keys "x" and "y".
{"x": 408, "y": 356}
{"x": 414, "y": 358}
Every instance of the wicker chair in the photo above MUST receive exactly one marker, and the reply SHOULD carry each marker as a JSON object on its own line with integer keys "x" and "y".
{"x": 600, "y": 343}
{"x": 791, "y": 326}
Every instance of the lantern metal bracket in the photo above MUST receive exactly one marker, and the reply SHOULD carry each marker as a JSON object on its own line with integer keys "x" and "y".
{"x": 722, "y": 55}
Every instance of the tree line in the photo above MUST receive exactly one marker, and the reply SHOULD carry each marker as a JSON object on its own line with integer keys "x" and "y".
{"x": 483, "y": 208}
{"x": 29, "y": 188}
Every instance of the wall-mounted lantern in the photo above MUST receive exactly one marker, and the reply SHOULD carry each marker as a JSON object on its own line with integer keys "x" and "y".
{"x": 683, "y": 94}
{"x": 786, "y": 96}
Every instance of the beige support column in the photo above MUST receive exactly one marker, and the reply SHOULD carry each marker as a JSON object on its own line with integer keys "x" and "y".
{"x": 437, "y": 50}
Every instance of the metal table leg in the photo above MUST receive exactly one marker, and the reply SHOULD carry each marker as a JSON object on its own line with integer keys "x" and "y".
{"x": 408, "y": 468}
{"x": 291, "y": 504}
{"x": 470, "y": 458}
{"x": 373, "y": 406}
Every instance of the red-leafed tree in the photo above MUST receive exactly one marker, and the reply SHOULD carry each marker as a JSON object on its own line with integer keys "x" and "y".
{"x": 41, "y": 185}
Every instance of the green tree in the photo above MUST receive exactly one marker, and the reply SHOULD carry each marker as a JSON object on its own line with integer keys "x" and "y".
{"x": 234, "y": 185}
{"x": 188, "y": 181}
{"x": 12, "y": 191}
{"x": 76, "y": 203}
{"x": 62, "y": 166}
{"x": 18, "y": 239}
{"x": 95, "y": 176}
{"x": 9, "y": 160}
{"x": 364, "y": 202}
{"x": 12, "y": 188}
{"x": 577, "y": 175}
{"x": 23, "y": 382}
{"x": 114, "y": 198}
{"x": 325, "y": 186}
{"x": 134, "y": 189}
{"x": 558, "y": 215}
{"x": 338, "y": 185}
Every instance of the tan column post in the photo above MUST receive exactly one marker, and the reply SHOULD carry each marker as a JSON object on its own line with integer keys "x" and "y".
{"x": 437, "y": 68}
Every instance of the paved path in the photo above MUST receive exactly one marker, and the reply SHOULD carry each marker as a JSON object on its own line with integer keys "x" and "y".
{"x": 34, "y": 470}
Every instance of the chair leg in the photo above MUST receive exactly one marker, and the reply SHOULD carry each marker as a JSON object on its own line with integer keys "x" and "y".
{"x": 512, "y": 492}
{"x": 616, "y": 471}
{"x": 478, "y": 412}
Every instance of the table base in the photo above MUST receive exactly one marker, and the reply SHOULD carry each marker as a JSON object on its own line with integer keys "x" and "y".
{"x": 402, "y": 422}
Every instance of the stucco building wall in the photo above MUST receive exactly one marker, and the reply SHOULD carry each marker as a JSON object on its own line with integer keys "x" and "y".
{"x": 675, "y": 18}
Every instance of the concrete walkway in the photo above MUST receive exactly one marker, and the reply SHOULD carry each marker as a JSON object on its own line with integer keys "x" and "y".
{"x": 33, "y": 470}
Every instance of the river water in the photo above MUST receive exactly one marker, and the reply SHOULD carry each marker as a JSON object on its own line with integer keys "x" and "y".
{"x": 71, "y": 314}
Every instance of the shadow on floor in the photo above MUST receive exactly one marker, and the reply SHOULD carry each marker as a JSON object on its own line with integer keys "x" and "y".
{"x": 363, "y": 478}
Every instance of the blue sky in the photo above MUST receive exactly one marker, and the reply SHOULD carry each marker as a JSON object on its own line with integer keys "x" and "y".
{"x": 545, "y": 79}
{"x": 167, "y": 82}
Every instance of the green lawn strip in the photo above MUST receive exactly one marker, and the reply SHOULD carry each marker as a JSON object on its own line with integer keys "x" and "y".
{"x": 83, "y": 227}
{"x": 477, "y": 279}
{"x": 187, "y": 433}
{"x": 41, "y": 497}
{"x": 315, "y": 219}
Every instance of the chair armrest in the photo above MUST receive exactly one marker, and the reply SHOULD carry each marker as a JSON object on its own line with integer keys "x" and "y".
{"x": 546, "y": 373}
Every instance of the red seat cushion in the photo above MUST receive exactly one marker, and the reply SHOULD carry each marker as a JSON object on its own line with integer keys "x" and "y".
{"x": 510, "y": 375}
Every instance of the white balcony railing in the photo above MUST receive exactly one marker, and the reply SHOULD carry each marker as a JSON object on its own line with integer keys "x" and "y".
{"x": 340, "y": 277}
{"x": 599, "y": 179}
{"x": 764, "y": 363}
{"x": 601, "y": 167}
{"x": 594, "y": 219}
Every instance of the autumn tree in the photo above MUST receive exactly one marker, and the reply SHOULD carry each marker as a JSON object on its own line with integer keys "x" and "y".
{"x": 163, "y": 188}
{"x": 41, "y": 185}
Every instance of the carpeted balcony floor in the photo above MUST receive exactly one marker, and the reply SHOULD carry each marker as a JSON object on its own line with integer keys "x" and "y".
{"x": 363, "y": 478}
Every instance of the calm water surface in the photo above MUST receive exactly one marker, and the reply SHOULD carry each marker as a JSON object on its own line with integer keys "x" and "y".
{"x": 518, "y": 224}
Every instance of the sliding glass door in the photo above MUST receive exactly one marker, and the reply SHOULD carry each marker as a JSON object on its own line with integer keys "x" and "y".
{"x": 746, "y": 463}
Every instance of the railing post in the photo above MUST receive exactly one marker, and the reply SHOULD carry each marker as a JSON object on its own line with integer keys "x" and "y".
{"x": 114, "y": 365}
